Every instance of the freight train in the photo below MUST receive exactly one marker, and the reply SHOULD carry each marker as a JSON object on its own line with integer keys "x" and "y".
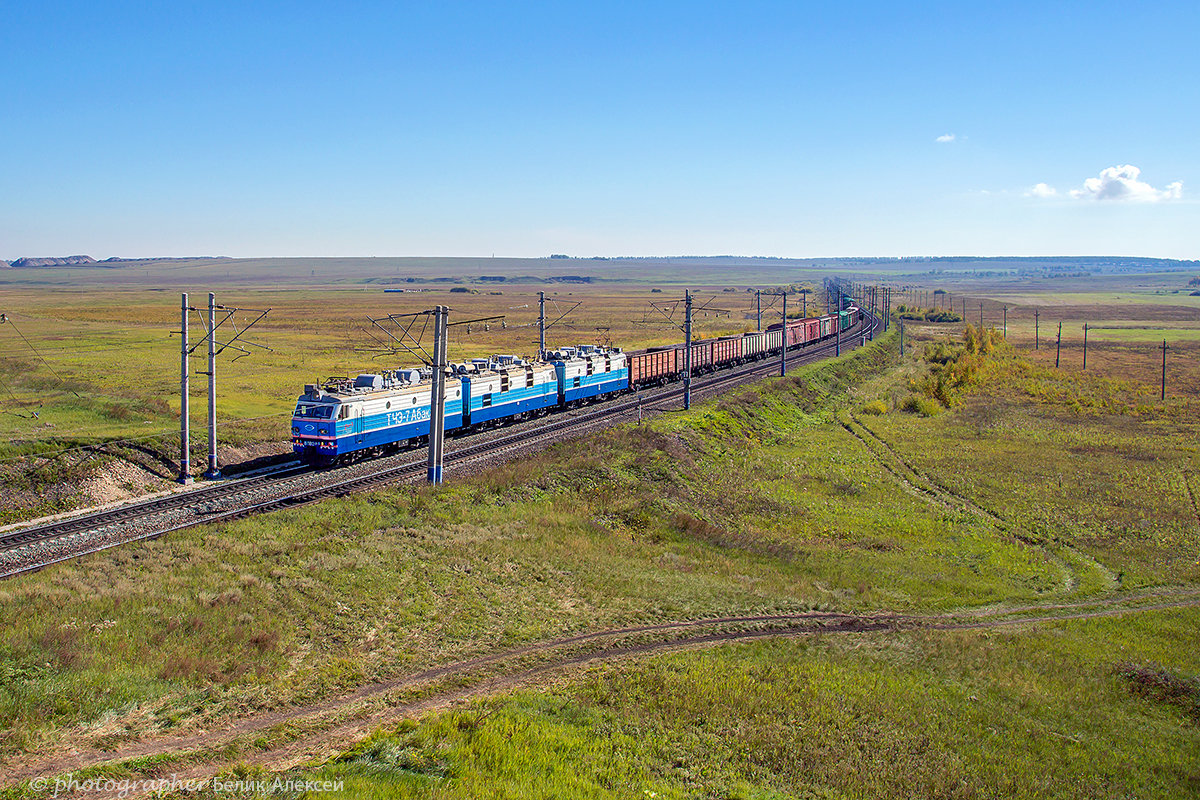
{"x": 376, "y": 413}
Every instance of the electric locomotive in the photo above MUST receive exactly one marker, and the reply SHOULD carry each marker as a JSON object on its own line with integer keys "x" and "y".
{"x": 369, "y": 415}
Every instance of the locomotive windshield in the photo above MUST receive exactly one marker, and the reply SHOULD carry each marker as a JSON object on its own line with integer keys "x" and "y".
{"x": 312, "y": 411}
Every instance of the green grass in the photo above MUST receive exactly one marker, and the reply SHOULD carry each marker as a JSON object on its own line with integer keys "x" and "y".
{"x": 1009, "y": 713}
{"x": 760, "y": 502}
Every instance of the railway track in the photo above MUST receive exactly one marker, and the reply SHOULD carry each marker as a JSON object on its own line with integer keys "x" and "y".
{"x": 34, "y": 547}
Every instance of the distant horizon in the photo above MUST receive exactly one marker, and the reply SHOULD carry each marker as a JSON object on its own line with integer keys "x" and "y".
{"x": 627, "y": 257}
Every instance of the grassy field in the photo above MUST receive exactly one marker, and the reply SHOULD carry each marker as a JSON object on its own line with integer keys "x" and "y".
{"x": 992, "y": 714}
{"x": 1035, "y": 486}
{"x": 1008, "y": 483}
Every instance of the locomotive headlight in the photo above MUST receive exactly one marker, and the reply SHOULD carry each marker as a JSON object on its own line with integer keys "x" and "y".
{"x": 295, "y": 430}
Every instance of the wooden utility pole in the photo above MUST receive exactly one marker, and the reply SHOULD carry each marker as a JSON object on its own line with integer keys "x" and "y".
{"x": 1058, "y": 347}
{"x": 1006, "y": 323}
{"x": 1085, "y": 345}
{"x": 1036, "y": 314}
{"x": 1163, "y": 394}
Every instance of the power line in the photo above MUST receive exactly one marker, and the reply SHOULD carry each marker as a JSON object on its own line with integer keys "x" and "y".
{"x": 15, "y": 400}
{"x": 5, "y": 318}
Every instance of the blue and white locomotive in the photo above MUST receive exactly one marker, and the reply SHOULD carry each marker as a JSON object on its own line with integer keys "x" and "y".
{"x": 588, "y": 372}
{"x": 377, "y": 413}
{"x": 506, "y": 387}
{"x": 369, "y": 415}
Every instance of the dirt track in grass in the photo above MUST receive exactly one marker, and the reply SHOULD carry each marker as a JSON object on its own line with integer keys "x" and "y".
{"x": 286, "y": 738}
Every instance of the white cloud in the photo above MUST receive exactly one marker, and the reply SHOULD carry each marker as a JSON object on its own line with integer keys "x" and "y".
{"x": 945, "y": 138}
{"x": 1042, "y": 190}
{"x": 1121, "y": 184}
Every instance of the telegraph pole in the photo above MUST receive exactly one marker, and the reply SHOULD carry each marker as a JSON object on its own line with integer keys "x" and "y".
{"x": 758, "y": 308}
{"x": 803, "y": 299}
{"x": 1058, "y": 347}
{"x": 1163, "y": 394}
{"x": 212, "y": 472}
{"x": 1036, "y": 314}
{"x": 1006, "y": 323}
{"x": 437, "y": 396}
{"x": 980, "y": 315}
{"x": 1085, "y": 345}
{"x": 687, "y": 349}
{"x": 185, "y": 461}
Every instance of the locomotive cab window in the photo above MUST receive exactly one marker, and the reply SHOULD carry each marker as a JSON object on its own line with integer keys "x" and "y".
{"x": 314, "y": 411}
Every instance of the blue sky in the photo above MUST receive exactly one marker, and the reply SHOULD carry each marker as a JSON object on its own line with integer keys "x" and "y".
{"x": 520, "y": 129}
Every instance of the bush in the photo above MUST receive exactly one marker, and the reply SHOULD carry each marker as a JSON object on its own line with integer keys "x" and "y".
{"x": 925, "y": 406}
{"x": 942, "y": 316}
{"x": 874, "y": 408}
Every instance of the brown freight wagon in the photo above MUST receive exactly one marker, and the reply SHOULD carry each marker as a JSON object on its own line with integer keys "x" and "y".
{"x": 727, "y": 351}
{"x": 655, "y": 367}
{"x": 702, "y": 356}
{"x": 812, "y": 329}
{"x": 795, "y": 329}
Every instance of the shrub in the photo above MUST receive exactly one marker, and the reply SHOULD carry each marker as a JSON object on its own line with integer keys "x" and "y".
{"x": 874, "y": 408}
{"x": 942, "y": 316}
{"x": 1154, "y": 682}
{"x": 925, "y": 406}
